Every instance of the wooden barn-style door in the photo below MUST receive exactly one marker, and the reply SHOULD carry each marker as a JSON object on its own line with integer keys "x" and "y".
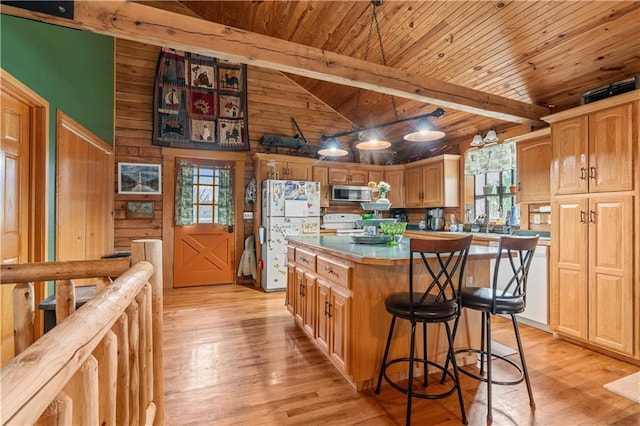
{"x": 204, "y": 217}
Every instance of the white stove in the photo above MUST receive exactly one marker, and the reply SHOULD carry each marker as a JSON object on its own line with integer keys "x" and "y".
{"x": 340, "y": 221}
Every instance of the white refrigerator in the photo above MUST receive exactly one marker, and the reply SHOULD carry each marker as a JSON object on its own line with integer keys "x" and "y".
{"x": 289, "y": 208}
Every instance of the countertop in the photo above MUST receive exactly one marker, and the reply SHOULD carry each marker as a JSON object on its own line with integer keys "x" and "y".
{"x": 377, "y": 254}
{"x": 543, "y": 237}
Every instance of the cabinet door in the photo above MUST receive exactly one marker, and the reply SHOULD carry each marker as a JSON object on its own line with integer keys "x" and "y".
{"x": 338, "y": 176}
{"x": 292, "y": 286}
{"x": 376, "y": 176}
{"x": 611, "y": 272}
{"x": 299, "y": 296}
{"x": 323, "y": 321}
{"x": 321, "y": 174}
{"x": 433, "y": 184}
{"x": 569, "y": 152}
{"x": 534, "y": 158}
{"x": 611, "y": 149}
{"x": 569, "y": 301}
{"x": 309, "y": 300}
{"x": 297, "y": 171}
{"x": 413, "y": 187}
{"x": 358, "y": 177}
{"x": 339, "y": 313}
{"x": 395, "y": 178}
{"x": 273, "y": 171}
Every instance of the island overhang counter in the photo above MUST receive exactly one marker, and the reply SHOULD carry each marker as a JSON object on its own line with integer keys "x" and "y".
{"x": 336, "y": 291}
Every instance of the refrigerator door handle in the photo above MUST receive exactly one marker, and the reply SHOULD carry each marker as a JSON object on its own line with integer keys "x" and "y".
{"x": 261, "y": 234}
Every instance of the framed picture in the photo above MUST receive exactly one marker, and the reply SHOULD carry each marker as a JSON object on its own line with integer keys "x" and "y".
{"x": 139, "y": 178}
{"x": 139, "y": 210}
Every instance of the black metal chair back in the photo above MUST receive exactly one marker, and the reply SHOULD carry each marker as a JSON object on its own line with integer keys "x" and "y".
{"x": 515, "y": 253}
{"x": 446, "y": 275}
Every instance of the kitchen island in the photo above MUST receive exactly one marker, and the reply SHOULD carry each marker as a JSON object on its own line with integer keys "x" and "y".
{"x": 336, "y": 291}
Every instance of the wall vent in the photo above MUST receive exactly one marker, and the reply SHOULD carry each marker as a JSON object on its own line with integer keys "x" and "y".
{"x": 613, "y": 89}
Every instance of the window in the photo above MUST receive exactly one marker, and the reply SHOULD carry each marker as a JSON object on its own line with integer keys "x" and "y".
{"x": 203, "y": 194}
{"x": 493, "y": 170}
{"x": 492, "y": 195}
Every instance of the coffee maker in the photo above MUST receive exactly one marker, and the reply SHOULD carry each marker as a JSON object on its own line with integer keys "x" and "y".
{"x": 435, "y": 219}
{"x": 400, "y": 214}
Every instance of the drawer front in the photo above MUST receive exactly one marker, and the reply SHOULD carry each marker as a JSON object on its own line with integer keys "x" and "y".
{"x": 336, "y": 272}
{"x": 306, "y": 259}
{"x": 291, "y": 253}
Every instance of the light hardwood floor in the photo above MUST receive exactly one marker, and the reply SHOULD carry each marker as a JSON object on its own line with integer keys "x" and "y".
{"x": 234, "y": 355}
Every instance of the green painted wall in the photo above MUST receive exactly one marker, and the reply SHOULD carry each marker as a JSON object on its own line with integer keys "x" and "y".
{"x": 73, "y": 70}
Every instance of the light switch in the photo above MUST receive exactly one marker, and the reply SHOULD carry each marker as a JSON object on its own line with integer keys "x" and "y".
{"x": 247, "y": 215}
{"x": 536, "y": 219}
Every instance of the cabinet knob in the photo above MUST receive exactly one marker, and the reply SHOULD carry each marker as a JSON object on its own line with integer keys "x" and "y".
{"x": 592, "y": 172}
{"x": 592, "y": 216}
{"x": 583, "y": 216}
{"x": 583, "y": 173}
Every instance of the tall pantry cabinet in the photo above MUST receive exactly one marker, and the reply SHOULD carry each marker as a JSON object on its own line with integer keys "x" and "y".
{"x": 594, "y": 251}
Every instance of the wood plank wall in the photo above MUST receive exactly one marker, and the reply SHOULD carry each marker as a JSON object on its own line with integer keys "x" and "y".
{"x": 273, "y": 99}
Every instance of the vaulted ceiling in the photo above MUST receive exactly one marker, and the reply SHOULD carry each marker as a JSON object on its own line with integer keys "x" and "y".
{"x": 538, "y": 52}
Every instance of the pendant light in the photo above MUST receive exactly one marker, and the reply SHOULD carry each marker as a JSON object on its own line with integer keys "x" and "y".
{"x": 477, "y": 140}
{"x": 424, "y": 132}
{"x": 491, "y": 137}
{"x": 331, "y": 148}
{"x": 374, "y": 140}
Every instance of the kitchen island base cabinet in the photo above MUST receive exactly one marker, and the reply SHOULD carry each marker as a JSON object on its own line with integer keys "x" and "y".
{"x": 351, "y": 322}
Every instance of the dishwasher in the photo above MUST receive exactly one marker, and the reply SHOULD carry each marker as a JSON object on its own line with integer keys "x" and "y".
{"x": 536, "y": 313}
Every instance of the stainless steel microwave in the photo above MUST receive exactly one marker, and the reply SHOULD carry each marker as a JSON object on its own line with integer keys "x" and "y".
{"x": 350, "y": 193}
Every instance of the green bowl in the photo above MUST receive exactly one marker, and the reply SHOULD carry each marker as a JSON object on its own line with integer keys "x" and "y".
{"x": 393, "y": 228}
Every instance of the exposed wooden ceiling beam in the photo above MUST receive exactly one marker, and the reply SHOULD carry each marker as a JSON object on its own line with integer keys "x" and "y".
{"x": 147, "y": 24}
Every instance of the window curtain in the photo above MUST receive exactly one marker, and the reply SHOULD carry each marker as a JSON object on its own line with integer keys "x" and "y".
{"x": 225, "y": 197}
{"x": 184, "y": 193}
{"x": 494, "y": 158}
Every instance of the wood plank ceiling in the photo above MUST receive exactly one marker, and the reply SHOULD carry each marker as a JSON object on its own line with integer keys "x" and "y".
{"x": 538, "y": 52}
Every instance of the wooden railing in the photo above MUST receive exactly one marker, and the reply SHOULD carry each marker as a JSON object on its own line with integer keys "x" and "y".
{"x": 100, "y": 365}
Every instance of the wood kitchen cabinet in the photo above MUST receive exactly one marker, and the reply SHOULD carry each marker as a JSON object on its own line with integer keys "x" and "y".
{"x": 433, "y": 182}
{"x": 533, "y": 157}
{"x": 592, "y": 286}
{"x": 345, "y": 176}
{"x": 593, "y": 152}
{"x": 321, "y": 174}
{"x": 319, "y": 297}
{"x": 395, "y": 178}
{"x": 289, "y": 170}
{"x": 594, "y": 263}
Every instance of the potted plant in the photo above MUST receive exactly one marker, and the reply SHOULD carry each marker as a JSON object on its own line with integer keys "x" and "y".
{"x": 489, "y": 189}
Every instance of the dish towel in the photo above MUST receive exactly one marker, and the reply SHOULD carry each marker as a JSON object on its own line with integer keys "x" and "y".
{"x": 247, "y": 264}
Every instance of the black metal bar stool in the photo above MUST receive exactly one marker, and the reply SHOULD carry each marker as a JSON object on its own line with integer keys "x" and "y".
{"x": 506, "y": 298}
{"x": 444, "y": 260}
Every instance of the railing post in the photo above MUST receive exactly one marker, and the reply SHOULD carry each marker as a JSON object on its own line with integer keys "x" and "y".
{"x": 151, "y": 251}
{"x": 23, "y": 315}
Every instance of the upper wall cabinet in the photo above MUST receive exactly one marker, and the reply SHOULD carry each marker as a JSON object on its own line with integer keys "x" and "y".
{"x": 592, "y": 152}
{"x": 533, "y": 156}
{"x": 344, "y": 176}
{"x": 433, "y": 182}
{"x": 394, "y": 176}
{"x": 285, "y": 170}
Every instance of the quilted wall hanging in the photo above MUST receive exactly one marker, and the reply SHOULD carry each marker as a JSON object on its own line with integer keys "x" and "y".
{"x": 200, "y": 103}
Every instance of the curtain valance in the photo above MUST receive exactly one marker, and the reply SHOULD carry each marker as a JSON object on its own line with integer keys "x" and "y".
{"x": 493, "y": 158}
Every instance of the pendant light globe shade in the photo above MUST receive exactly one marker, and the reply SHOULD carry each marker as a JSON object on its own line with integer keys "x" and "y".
{"x": 332, "y": 148}
{"x": 477, "y": 140}
{"x": 373, "y": 145}
{"x": 424, "y": 132}
{"x": 492, "y": 137}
